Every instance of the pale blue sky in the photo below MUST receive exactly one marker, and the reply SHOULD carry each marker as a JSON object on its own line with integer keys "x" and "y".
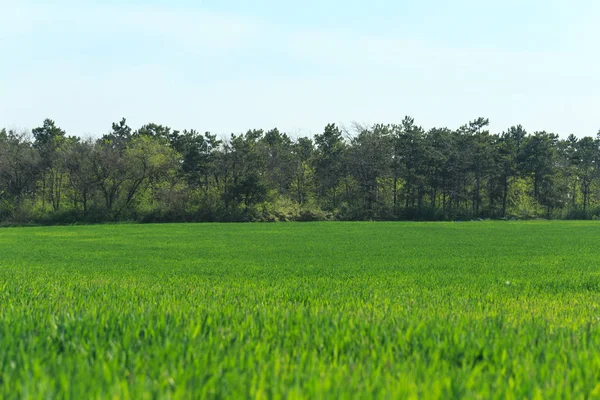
{"x": 227, "y": 66}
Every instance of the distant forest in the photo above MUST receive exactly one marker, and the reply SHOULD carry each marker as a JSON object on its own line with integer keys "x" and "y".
{"x": 379, "y": 172}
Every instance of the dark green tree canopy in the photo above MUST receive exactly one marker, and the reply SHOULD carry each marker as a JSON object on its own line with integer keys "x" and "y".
{"x": 381, "y": 171}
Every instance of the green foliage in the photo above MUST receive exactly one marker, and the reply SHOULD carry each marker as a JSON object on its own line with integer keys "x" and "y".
{"x": 321, "y": 310}
{"x": 284, "y": 210}
{"x": 378, "y": 172}
{"x": 521, "y": 202}
{"x": 47, "y": 134}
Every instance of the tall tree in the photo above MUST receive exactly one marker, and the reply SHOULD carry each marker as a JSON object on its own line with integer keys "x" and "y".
{"x": 278, "y": 154}
{"x": 244, "y": 172}
{"x": 82, "y": 178}
{"x": 46, "y": 135}
{"x": 369, "y": 157}
{"x": 303, "y": 150}
{"x": 439, "y": 147}
{"x": 539, "y": 162}
{"x": 479, "y": 152}
{"x": 329, "y": 165}
{"x": 52, "y": 145}
{"x": 585, "y": 158}
{"x": 408, "y": 162}
{"x": 19, "y": 164}
{"x": 510, "y": 159}
{"x": 120, "y": 135}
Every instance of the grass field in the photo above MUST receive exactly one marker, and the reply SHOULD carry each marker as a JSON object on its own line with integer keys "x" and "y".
{"x": 315, "y": 310}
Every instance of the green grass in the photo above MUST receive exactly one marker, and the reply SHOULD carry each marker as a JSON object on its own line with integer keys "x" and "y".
{"x": 319, "y": 310}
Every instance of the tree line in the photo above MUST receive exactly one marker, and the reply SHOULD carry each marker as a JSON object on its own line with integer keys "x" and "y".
{"x": 379, "y": 172}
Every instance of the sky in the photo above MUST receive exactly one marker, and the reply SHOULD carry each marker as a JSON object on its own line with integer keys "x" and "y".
{"x": 232, "y": 65}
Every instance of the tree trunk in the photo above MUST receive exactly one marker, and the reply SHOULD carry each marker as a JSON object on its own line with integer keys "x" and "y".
{"x": 504, "y": 196}
{"x": 395, "y": 195}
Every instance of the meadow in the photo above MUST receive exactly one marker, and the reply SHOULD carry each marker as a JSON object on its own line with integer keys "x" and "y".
{"x": 293, "y": 310}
